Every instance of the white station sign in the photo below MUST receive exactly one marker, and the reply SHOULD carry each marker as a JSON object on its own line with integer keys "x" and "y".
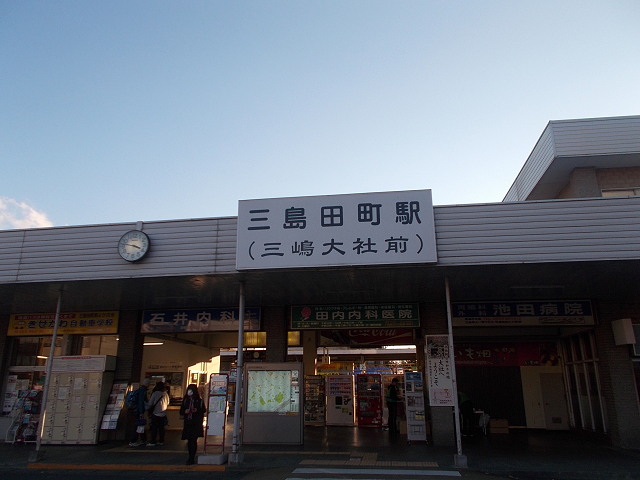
{"x": 336, "y": 230}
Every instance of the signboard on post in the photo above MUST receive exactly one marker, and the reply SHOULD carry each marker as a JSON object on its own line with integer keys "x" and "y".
{"x": 439, "y": 371}
{"x": 217, "y": 408}
{"x": 336, "y": 230}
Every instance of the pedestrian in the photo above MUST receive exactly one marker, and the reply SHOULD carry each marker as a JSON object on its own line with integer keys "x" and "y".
{"x": 139, "y": 433}
{"x": 193, "y": 410}
{"x": 465, "y": 405}
{"x": 392, "y": 404}
{"x": 158, "y": 403}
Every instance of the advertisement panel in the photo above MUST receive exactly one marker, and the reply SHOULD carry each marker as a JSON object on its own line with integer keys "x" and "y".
{"x": 86, "y": 323}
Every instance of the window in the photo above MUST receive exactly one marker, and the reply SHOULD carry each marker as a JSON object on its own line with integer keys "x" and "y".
{"x": 255, "y": 339}
{"x": 99, "y": 345}
{"x": 293, "y": 339}
{"x": 586, "y": 408}
{"x": 33, "y": 351}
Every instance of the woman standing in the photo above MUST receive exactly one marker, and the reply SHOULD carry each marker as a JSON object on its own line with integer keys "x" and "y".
{"x": 158, "y": 404}
{"x": 193, "y": 409}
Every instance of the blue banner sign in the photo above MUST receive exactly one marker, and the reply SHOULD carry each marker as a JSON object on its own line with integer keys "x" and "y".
{"x": 199, "y": 320}
{"x": 526, "y": 313}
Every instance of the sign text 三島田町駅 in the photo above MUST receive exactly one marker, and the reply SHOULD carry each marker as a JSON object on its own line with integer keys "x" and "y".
{"x": 358, "y": 229}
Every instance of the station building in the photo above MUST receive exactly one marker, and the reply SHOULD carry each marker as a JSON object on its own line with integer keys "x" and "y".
{"x": 540, "y": 290}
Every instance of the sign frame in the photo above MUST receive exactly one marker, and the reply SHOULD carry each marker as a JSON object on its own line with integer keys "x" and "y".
{"x": 336, "y": 230}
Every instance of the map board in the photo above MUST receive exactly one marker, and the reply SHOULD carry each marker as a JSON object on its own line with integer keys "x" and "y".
{"x": 271, "y": 403}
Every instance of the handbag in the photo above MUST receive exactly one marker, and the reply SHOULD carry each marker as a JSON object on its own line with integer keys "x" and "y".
{"x": 141, "y": 422}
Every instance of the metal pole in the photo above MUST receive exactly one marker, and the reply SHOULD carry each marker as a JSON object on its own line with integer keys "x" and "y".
{"x": 453, "y": 367}
{"x": 237, "y": 410}
{"x": 47, "y": 377}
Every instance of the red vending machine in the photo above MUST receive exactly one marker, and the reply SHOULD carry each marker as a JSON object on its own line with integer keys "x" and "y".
{"x": 369, "y": 399}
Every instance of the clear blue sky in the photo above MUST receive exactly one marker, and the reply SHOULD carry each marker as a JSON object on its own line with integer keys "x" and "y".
{"x": 120, "y": 111}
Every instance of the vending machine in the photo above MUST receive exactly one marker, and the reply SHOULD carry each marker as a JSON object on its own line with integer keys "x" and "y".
{"x": 369, "y": 400}
{"x": 339, "y": 390}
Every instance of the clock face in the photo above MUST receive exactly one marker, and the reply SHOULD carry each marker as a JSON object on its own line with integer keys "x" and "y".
{"x": 133, "y": 245}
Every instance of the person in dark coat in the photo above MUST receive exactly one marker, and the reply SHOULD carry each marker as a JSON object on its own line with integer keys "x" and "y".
{"x": 193, "y": 410}
{"x": 392, "y": 404}
{"x": 466, "y": 412}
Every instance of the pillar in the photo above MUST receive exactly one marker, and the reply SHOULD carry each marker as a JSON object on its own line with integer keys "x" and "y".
{"x": 433, "y": 321}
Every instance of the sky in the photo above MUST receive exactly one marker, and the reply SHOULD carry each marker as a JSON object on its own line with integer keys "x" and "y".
{"x": 121, "y": 111}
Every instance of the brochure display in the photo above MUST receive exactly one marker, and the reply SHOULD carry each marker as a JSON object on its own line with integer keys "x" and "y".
{"x": 369, "y": 403}
{"x": 414, "y": 407}
{"x": 25, "y": 417}
{"x": 271, "y": 407}
{"x": 114, "y": 406}
{"x": 79, "y": 390}
{"x": 339, "y": 390}
{"x": 314, "y": 400}
{"x": 217, "y": 409}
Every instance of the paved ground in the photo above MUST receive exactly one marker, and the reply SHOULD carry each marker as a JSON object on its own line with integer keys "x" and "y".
{"x": 335, "y": 452}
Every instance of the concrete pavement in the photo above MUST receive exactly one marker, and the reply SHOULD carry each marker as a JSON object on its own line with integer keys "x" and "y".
{"x": 336, "y": 452}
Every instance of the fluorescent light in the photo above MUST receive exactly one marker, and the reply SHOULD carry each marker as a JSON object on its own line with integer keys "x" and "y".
{"x": 152, "y": 343}
{"x": 41, "y": 356}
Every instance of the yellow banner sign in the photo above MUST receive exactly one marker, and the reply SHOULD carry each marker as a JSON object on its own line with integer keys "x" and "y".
{"x": 90, "y": 323}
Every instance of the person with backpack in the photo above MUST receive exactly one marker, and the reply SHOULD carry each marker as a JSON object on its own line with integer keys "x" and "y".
{"x": 193, "y": 410}
{"x": 158, "y": 403}
{"x": 137, "y": 411}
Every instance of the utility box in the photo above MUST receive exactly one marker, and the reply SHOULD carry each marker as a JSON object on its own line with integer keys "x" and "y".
{"x": 499, "y": 425}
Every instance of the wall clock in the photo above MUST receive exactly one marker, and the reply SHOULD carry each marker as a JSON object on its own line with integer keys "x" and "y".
{"x": 133, "y": 245}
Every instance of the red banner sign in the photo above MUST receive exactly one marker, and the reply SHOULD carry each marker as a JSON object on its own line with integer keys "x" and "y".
{"x": 517, "y": 354}
{"x": 370, "y": 337}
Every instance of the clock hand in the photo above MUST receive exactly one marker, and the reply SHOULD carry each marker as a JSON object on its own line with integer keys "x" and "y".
{"x": 132, "y": 245}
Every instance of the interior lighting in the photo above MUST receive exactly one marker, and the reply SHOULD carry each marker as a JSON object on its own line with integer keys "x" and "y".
{"x": 41, "y": 356}
{"x": 146, "y": 344}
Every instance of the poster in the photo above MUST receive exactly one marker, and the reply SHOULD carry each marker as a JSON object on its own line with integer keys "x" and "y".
{"x": 439, "y": 371}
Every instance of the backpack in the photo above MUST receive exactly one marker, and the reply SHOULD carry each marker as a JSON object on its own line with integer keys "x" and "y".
{"x": 132, "y": 400}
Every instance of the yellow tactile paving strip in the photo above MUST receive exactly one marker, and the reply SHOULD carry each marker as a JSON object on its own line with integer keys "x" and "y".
{"x": 127, "y": 467}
